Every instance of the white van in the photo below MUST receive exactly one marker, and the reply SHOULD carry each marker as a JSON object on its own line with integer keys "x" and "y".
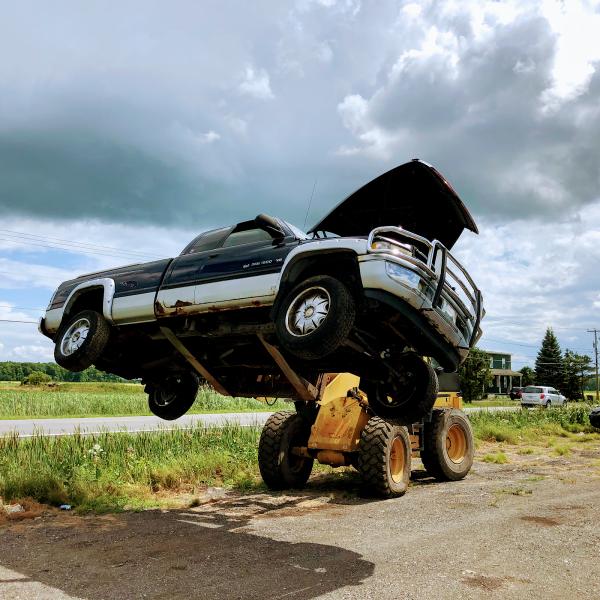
{"x": 541, "y": 395}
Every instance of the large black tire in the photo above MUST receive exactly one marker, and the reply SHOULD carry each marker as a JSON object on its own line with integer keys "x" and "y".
{"x": 332, "y": 305}
{"x": 174, "y": 396}
{"x": 384, "y": 455}
{"x": 408, "y": 401}
{"x": 81, "y": 340}
{"x": 279, "y": 468}
{"x": 448, "y": 446}
{"x": 595, "y": 417}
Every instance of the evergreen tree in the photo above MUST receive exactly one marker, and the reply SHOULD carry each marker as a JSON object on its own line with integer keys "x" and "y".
{"x": 549, "y": 362}
{"x": 528, "y": 376}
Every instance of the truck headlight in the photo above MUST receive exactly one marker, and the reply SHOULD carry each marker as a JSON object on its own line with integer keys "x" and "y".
{"x": 403, "y": 275}
{"x": 448, "y": 310}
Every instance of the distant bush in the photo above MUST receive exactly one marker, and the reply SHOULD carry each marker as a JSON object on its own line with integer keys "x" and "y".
{"x": 17, "y": 371}
{"x": 36, "y": 378}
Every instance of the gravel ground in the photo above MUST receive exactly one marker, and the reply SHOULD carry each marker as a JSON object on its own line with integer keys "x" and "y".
{"x": 526, "y": 529}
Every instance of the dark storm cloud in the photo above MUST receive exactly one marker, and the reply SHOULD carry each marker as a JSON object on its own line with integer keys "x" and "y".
{"x": 185, "y": 113}
{"x": 480, "y": 109}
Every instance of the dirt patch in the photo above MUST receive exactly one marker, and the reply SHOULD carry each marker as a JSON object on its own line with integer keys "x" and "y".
{"x": 483, "y": 582}
{"x": 546, "y": 521}
{"x": 28, "y": 509}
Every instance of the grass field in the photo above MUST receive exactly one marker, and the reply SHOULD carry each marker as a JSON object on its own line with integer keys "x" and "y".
{"x": 106, "y": 399}
{"x": 124, "y": 399}
{"x": 116, "y": 471}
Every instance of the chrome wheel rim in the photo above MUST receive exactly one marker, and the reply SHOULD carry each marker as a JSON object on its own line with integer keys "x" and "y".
{"x": 308, "y": 311}
{"x": 74, "y": 337}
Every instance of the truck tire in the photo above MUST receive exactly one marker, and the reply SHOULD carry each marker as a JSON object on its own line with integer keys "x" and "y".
{"x": 173, "y": 397}
{"x": 81, "y": 340}
{"x": 384, "y": 455}
{"x": 404, "y": 403}
{"x": 279, "y": 468}
{"x": 315, "y": 318}
{"x": 448, "y": 446}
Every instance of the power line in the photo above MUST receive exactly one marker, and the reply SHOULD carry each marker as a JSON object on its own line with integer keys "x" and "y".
{"x": 76, "y": 250}
{"x": 19, "y": 276}
{"x": 511, "y": 343}
{"x": 17, "y": 321}
{"x": 62, "y": 241}
{"x": 21, "y": 307}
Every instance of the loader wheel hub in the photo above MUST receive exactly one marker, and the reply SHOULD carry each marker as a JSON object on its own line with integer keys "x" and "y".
{"x": 397, "y": 460}
{"x": 456, "y": 444}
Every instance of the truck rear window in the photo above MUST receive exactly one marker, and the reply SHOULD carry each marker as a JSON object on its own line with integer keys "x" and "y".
{"x": 207, "y": 241}
{"x": 532, "y": 390}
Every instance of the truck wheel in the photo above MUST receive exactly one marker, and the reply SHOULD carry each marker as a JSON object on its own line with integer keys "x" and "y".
{"x": 384, "y": 454}
{"x": 173, "y": 397}
{"x": 280, "y": 468}
{"x": 448, "y": 446}
{"x": 405, "y": 401}
{"x": 81, "y": 340}
{"x": 315, "y": 317}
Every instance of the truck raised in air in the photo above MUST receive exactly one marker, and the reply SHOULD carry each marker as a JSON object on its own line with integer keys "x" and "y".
{"x": 262, "y": 309}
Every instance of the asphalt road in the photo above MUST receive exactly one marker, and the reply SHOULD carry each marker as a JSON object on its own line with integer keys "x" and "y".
{"x": 29, "y": 427}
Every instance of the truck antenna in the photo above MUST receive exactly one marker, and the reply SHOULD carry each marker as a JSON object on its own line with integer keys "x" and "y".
{"x": 310, "y": 203}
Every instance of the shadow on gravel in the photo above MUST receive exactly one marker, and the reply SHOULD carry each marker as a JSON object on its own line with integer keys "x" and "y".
{"x": 204, "y": 552}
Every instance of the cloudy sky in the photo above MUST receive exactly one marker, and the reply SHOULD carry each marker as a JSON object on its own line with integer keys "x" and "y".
{"x": 126, "y": 128}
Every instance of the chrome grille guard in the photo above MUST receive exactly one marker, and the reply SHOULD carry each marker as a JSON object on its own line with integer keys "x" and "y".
{"x": 448, "y": 278}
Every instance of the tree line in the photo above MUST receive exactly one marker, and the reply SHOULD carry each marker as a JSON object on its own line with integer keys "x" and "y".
{"x": 19, "y": 371}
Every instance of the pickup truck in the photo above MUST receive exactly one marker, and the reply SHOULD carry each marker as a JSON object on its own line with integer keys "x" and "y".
{"x": 260, "y": 308}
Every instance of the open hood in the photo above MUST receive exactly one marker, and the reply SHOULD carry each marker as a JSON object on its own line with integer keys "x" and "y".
{"x": 414, "y": 196}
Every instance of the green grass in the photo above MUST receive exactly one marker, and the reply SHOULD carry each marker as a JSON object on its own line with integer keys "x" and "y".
{"x": 498, "y": 458}
{"x": 534, "y": 425}
{"x": 115, "y": 471}
{"x": 498, "y": 401}
{"x": 106, "y": 399}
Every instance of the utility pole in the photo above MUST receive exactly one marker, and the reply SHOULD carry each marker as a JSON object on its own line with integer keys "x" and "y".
{"x": 595, "y": 332}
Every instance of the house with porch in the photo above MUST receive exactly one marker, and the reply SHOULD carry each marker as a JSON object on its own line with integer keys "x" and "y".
{"x": 503, "y": 377}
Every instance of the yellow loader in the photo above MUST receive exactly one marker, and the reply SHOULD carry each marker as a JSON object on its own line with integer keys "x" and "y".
{"x": 339, "y": 429}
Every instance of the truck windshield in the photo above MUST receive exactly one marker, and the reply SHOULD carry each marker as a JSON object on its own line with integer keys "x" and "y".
{"x": 296, "y": 231}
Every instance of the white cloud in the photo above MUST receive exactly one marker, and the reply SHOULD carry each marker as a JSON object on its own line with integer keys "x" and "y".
{"x": 237, "y": 125}
{"x": 576, "y": 25}
{"x": 21, "y": 340}
{"x": 535, "y": 275}
{"x": 257, "y": 84}
{"x": 15, "y": 274}
{"x": 33, "y": 353}
{"x": 351, "y": 7}
{"x": 210, "y": 136}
